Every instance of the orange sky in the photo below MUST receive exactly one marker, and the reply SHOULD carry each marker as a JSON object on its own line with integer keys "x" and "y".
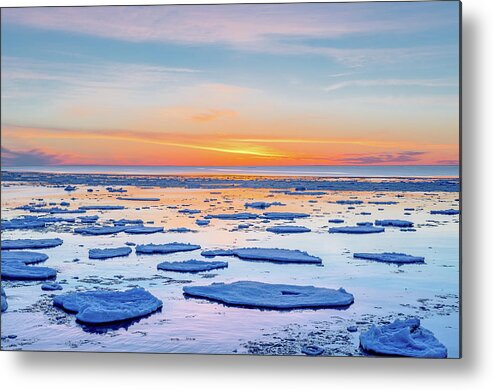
{"x": 266, "y": 84}
{"x": 138, "y": 148}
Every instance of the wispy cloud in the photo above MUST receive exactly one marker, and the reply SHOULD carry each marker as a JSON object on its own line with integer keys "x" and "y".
{"x": 28, "y": 157}
{"x": 218, "y": 24}
{"x": 76, "y": 146}
{"x": 173, "y": 140}
{"x": 428, "y": 83}
{"x": 273, "y": 28}
{"x": 85, "y": 78}
{"x": 212, "y": 115}
{"x": 383, "y": 158}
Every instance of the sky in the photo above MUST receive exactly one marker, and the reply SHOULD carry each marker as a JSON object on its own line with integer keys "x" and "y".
{"x": 265, "y": 84}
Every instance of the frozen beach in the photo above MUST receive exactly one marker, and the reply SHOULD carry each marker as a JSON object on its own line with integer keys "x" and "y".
{"x": 192, "y": 216}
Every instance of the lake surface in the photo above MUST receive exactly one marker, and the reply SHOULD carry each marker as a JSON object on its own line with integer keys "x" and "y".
{"x": 383, "y": 292}
{"x": 322, "y": 171}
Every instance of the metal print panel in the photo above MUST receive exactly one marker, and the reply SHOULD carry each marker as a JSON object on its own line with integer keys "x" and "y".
{"x": 263, "y": 179}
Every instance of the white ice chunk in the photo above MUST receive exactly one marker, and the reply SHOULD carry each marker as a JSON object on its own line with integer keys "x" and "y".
{"x": 394, "y": 222}
{"x": 288, "y": 229}
{"x": 402, "y": 338}
{"x": 284, "y": 215}
{"x": 390, "y": 257}
{"x": 100, "y": 231}
{"x": 356, "y": 229}
{"x": 144, "y": 229}
{"x": 191, "y": 265}
{"x": 271, "y": 296}
{"x": 165, "y": 248}
{"x": 23, "y": 256}
{"x": 445, "y": 212}
{"x": 104, "y": 307}
{"x": 107, "y": 253}
{"x": 267, "y": 254}
{"x": 27, "y": 243}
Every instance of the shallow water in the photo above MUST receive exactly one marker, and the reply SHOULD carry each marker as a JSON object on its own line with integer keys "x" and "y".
{"x": 382, "y": 292}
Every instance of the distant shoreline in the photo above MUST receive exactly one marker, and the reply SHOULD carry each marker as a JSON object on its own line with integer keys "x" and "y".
{"x": 342, "y": 171}
{"x": 294, "y": 185}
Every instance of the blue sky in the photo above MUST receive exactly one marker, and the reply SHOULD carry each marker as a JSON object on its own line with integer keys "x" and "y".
{"x": 379, "y": 78}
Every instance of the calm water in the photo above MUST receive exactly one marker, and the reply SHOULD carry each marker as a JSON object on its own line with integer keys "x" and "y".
{"x": 382, "y": 292}
{"x": 323, "y": 171}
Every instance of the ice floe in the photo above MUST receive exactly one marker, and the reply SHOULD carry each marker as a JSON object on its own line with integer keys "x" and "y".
{"x": 25, "y": 257}
{"x": 56, "y": 219}
{"x": 105, "y": 207}
{"x": 288, "y": 229}
{"x": 266, "y": 254}
{"x": 23, "y": 223}
{"x": 3, "y": 298}
{"x": 144, "y": 229}
{"x": 89, "y": 219}
{"x": 234, "y": 216}
{"x": 165, "y": 248}
{"x": 445, "y": 212}
{"x": 124, "y": 221}
{"x": 262, "y": 205}
{"x": 402, "y": 338}
{"x": 100, "y": 231}
{"x": 271, "y": 296}
{"x": 284, "y": 215}
{"x": 394, "y": 222}
{"x": 27, "y": 243}
{"x": 191, "y": 266}
{"x": 180, "y": 230}
{"x": 119, "y": 190}
{"x": 17, "y": 270}
{"x": 390, "y": 257}
{"x": 104, "y": 307}
{"x": 139, "y": 199}
{"x": 349, "y": 202}
{"x": 189, "y": 211}
{"x": 357, "y": 229}
{"x": 51, "y": 286}
{"x": 107, "y": 253}
{"x": 56, "y": 210}
{"x": 309, "y": 193}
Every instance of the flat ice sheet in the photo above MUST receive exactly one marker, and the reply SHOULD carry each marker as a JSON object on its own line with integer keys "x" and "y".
{"x": 271, "y": 296}
{"x": 266, "y": 254}
{"x": 105, "y": 307}
{"x": 191, "y": 265}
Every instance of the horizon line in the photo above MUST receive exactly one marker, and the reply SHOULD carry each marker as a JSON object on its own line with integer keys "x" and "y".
{"x": 248, "y": 165}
